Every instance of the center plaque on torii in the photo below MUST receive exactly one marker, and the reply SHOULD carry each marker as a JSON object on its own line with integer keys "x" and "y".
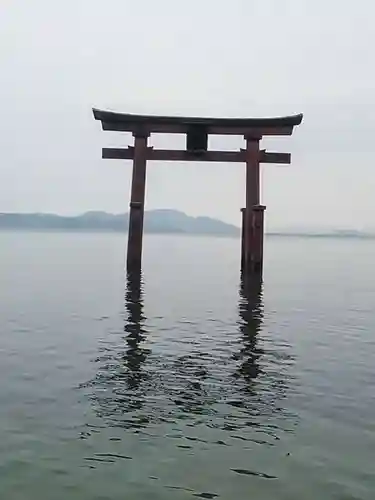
{"x": 197, "y": 131}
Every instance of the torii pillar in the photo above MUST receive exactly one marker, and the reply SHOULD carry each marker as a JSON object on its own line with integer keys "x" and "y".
{"x": 253, "y": 213}
{"x": 197, "y": 131}
{"x": 137, "y": 202}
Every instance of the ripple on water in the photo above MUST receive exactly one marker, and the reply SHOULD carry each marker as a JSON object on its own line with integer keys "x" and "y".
{"x": 229, "y": 397}
{"x": 189, "y": 392}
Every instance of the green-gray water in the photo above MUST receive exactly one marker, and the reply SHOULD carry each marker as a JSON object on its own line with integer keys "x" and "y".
{"x": 193, "y": 386}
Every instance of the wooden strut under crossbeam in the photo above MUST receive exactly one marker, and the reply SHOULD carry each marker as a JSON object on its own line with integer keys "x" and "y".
{"x": 197, "y": 131}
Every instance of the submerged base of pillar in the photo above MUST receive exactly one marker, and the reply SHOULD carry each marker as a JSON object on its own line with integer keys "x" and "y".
{"x": 254, "y": 268}
{"x": 135, "y": 237}
{"x": 243, "y": 238}
{"x": 133, "y": 262}
{"x": 133, "y": 267}
{"x": 252, "y": 240}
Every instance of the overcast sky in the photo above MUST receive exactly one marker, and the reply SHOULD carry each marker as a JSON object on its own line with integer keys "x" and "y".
{"x": 198, "y": 57}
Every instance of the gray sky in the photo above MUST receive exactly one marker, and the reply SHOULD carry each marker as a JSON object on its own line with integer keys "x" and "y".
{"x": 198, "y": 57}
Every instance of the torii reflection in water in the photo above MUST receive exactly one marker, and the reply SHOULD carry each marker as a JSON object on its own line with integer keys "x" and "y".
{"x": 143, "y": 388}
{"x": 263, "y": 362}
{"x": 250, "y": 310}
{"x": 121, "y": 378}
{"x": 135, "y": 355}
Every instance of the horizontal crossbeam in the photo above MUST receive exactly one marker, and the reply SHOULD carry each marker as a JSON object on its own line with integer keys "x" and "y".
{"x": 162, "y": 128}
{"x": 182, "y": 156}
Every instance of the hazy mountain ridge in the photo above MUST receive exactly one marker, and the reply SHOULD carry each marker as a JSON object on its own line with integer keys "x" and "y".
{"x": 334, "y": 233}
{"x": 156, "y": 221}
{"x": 162, "y": 221}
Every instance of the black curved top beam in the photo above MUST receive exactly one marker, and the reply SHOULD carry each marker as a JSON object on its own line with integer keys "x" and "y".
{"x": 130, "y": 119}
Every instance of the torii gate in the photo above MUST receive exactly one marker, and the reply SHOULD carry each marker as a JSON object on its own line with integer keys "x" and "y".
{"x": 197, "y": 131}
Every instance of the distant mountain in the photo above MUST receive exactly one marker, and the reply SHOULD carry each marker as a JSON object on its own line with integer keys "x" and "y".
{"x": 338, "y": 233}
{"x": 156, "y": 221}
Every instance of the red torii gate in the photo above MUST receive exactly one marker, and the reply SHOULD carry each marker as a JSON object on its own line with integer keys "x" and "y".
{"x": 197, "y": 131}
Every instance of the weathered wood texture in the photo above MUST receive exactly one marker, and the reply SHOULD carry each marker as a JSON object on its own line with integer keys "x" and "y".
{"x": 137, "y": 203}
{"x": 252, "y": 196}
{"x": 258, "y": 238}
{"x": 184, "y": 156}
{"x": 243, "y": 237}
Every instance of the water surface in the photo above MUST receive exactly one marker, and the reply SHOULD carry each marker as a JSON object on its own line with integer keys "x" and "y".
{"x": 190, "y": 383}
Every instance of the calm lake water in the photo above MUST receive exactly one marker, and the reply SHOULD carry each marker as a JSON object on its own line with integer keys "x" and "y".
{"x": 192, "y": 385}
